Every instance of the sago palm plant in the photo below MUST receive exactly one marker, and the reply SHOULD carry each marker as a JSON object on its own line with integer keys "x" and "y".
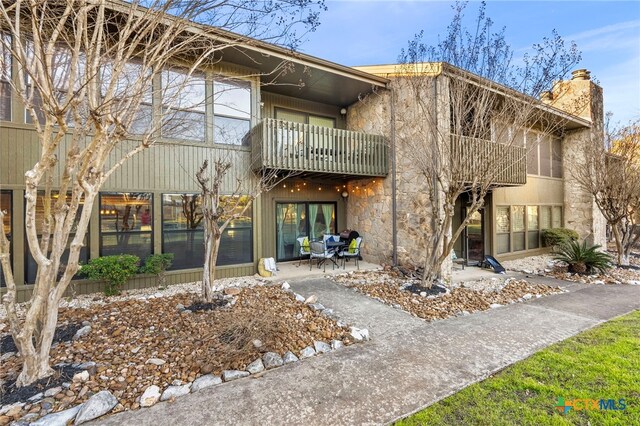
{"x": 582, "y": 258}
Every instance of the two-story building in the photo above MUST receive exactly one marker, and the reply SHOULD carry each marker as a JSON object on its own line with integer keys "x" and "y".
{"x": 311, "y": 120}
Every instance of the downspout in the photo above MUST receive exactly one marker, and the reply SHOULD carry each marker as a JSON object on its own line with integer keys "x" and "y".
{"x": 394, "y": 219}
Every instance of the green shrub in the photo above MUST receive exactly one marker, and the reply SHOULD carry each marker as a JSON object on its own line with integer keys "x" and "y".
{"x": 582, "y": 258}
{"x": 113, "y": 270}
{"x": 157, "y": 264}
{"x": 555, "y": 236}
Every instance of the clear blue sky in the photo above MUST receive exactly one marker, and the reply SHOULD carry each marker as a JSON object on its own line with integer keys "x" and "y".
{"x": 366, "y": 32}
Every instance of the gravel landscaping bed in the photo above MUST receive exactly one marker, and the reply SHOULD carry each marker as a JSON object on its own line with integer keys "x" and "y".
{"x": 147, "y": 346}
{"x": 390, "y": 288}
{"x": 545, "y": 265}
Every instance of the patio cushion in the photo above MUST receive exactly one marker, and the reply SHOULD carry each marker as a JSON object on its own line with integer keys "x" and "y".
{"x": 305, "y": 244}
{"x": 353, "y": 246}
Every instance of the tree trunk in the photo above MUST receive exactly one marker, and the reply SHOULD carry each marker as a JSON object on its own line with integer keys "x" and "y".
{"x": 212, "y": 244}
{"x": 623, "y": 257}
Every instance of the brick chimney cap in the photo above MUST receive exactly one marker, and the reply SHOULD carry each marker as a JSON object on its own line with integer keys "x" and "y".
{"x": 581, "y": 74}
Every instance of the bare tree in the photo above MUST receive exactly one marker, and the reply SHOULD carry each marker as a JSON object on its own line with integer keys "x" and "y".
{"x": 85, "y": 74}
{"x": 220, "y": 209}
{"x": 611, "y": 174}
{"x": 455, "y": 112}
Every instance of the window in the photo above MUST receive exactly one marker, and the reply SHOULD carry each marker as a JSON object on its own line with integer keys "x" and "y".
{"x": 126, "y": 224}
{"x": 532, "y": 153}
{"x": 556, "y": 158}
{"x": 533, "y": 233}
{"x": 517, "y": 226}
{"x": 7, "y": 225}
{"x": 31, "y": 267}
{"x": 5, "y": 77}
{"x": 132, "y": 80}
{"x": 503, "y": 229}
{"x": 183, "y": 232}
{"x": 232, "y": 111}
{"x": 556, "y": 218}
{"x": 545, "y": 156}
{"x": 545, "y": 217}
{"x": 183, "y": 105}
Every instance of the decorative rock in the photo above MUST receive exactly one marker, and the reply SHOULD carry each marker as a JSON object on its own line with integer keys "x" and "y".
{"x": 423, "y": 294}
{"x": 156, "y": 361}
{"x": 229, "y": 375}
{"x": 316, "y": 306}
{"x": 52, "y": 392}
{"x": 205, "y": 381}
{"x": 90, "y": 366}
{"x": 61, "y": 418}
{"x": 83, "y": 332}
{"x": 180, "y": 307}
{"x": 529, "y": 296}
{"x": 135, "y": 350}
{"x": 336, "y": 344}
{"x": 82, "y": 376}
{"x": 495, "y": 305}
{"x": 37, "y": 397}
{"x": 311, "y": 299}
{"x": 299, "y": 298}
{"x": 307, "y": 352}
{"x": 257, "y": 343}
{"x": 285, "y": 286}
{"x": 289, "y": 357}
{"x": 26, "y": 420}
{"x": 359, "y": 334}
{"x": 207, "y": 368}
{"x": 150, "y": 396}
{"x": 175, "y": 392}
{"x": 12, "y": 409}
{"x": 232, "y": 291}
{"x": 272, "y": 360}
{"x": 599, "y": 282}
{"x": 96, "y": 406}
{"x": 256, "y": 366}
{"x": 327, "y": 312}
{"x": 321, "y": 347}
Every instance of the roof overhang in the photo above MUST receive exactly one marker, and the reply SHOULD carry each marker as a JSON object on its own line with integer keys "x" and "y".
{"x": 298, "y": 75}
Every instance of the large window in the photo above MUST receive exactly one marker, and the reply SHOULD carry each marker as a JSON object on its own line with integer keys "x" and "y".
{"x": 232, "y": 111}
{"x": 131, "y": 84}
{"x": 31, "y": 267}
{"x": 183, "y": 105}
{"x": 544, "y": 156}
{"x": 126, "y": 224}
{"x": 532, "y": 153}
{"x": 5, "y": 78}
{"x": 7, "y": 224}
{"x": 518, "y": 227}
{"x": 183, "y": 234}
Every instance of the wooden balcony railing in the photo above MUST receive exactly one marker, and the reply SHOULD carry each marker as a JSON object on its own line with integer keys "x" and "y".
{"x": 506, "y": 165}
{"x": 284, "y": 145}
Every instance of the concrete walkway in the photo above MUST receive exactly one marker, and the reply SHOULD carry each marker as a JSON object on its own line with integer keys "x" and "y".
{"x": 408, "y": 364}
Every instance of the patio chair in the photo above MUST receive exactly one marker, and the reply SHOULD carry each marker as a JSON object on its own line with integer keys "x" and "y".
{"x": 319, "y": 251}
{"x": 303, "y": 248}
{"x": 352, "y": 251}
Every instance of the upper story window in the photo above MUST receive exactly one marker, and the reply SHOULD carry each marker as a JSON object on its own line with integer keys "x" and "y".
{"x": 232, "y": 111}
{"x": 132, "y": 84}
{"x": 5, "y": 77}
{"x": 183, "y": 105}
{"x": 544, "y": 155}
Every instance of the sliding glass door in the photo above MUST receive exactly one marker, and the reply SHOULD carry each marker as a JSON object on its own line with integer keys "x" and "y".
{"x": 294, "y": 220}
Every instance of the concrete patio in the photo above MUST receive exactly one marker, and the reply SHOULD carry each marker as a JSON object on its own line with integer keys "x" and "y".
{"x": 408, "y": 364}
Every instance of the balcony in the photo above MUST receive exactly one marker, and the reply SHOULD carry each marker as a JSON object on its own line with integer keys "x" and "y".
{"x": 284, "y": 145}
{"x": 472, "y": 157}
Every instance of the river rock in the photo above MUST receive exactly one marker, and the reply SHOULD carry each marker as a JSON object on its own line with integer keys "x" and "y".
{"x": 61, "y": 418}
{"x": 156, "y": 361}
{"x": 336, "y": 344}
{"x": 272, "y": 360}
{"x": 256, "y": 366}
{"x": 359, "y": 334}
{"x": 229, "y": 375}
{"x": 205, "y": 381}
{"x": 150, "y": 396}
{"x": 175, "y": 392}
{"x": 311, "y": 299}
{"x": 307, "y": 352}
{"x": 83, "y": 332}
{"x": 289, "y": 357}
{"x": 96, "y": 406}
{"x": 321, "y": 347}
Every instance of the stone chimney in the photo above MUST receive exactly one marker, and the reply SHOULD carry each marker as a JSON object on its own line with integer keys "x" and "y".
{"x": 579, "y": 96}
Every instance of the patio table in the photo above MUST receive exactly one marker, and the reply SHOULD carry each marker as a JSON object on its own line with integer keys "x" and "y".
{"x": 335, "y": 247}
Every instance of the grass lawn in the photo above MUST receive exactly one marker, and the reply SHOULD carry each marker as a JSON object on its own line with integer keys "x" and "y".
{"x": 602, "y": 363}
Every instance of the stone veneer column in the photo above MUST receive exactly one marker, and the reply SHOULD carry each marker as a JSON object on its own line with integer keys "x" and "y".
{"x": 580, "y": 96}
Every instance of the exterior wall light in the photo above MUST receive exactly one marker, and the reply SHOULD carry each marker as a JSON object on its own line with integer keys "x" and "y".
{"x": 345, "y": 195}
